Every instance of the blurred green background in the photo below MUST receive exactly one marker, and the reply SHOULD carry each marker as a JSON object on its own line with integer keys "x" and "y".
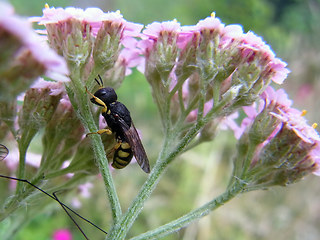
{"x": 292, "y": 28}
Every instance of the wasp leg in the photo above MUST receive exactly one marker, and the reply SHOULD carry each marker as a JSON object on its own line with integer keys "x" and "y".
{"x": 101, "y": 131}
{"x": 98, "y": 100}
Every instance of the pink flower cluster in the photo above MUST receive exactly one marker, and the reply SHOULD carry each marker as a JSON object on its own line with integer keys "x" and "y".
{"x": 54, "y": 64}
{"x": 95, "y": 18}
{"x": 290, "y": 119}
{"x": 249, "y": 47}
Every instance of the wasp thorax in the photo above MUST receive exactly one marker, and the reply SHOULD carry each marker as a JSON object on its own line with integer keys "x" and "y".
{"x": 107, "y": 95}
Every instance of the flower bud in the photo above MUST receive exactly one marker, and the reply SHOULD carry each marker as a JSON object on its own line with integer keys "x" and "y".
{"x": 161, "y": 50}
{"x": 38, "y": 107}
{"x": 62, "y": 135}
{"x": 107, "y": 44}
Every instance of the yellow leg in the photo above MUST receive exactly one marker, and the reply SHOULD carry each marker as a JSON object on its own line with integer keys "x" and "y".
{"x": 117, "y": 145}
{"x": 101, "y": 131}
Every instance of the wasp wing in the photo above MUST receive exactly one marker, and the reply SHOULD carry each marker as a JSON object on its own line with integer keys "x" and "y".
{"x": 136, "y": 145}
{"x": 3, "y": 152}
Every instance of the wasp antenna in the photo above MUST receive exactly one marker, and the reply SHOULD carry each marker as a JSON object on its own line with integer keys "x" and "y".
{"x": 101, "y": 81}
{"x": 97, "y": 81}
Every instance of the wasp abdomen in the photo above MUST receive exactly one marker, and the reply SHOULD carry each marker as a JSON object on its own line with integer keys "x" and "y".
{"x": 122, "y": 156}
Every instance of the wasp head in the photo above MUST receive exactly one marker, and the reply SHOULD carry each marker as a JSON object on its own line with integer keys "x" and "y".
{"x": 106, "y": 95}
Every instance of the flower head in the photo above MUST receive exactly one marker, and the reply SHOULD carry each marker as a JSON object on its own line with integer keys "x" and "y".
{"x": 39, "y": 105}
{"x": 26, "y": 56}
{"x": 255, "y": 51}
{"x": 65, "y": 126}
{"x": 159, "y": 45}
{"x": 294, "y": 120}
{"x": 80, "y": 35}
{"x": 277, "y": 143}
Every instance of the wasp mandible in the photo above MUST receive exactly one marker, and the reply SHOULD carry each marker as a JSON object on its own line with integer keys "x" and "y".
{"x": 119, "y": 122}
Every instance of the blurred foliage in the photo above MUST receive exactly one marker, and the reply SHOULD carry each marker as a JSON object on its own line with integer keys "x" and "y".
{"x": 292, "y": 29}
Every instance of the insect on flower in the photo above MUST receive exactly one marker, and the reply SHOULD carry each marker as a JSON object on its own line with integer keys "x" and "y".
{"x": 119, "y": 122}
{"x": 4, "y": 153}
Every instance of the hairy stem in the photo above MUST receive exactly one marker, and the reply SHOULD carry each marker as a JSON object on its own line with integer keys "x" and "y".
{"x": 192, "y": 216}
{"x": 120, "y": 230}
{"x": 79, "y": 100}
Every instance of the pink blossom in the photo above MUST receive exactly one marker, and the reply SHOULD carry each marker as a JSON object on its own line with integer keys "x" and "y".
{"x": 99, "y": 22}
{"x": 155, "y": 29}
{"x": 131, "y": 57}
{"x": 194, "y": 113}
{"x": 279, "y": 69}
{"x": 315, "y": 155}
{"x": 76, "y": 203}
{"x": 211, "y": 23}
{"x": 93, "y": 16}
{"x": 232, "y": 31}
{"x": 56, "y": 15}
{"x": 62, "y": 234}
{"x": 229, "y": 122}
{"x": 56, "y": 88}
{"x": 279, "y": 96}
{"x": 41, "y": 52}
{"x": 255, "y": 41}
{"x": 253, "y": 47}
{"x": 85, "y": 189}
{"x": 294, "y": 120}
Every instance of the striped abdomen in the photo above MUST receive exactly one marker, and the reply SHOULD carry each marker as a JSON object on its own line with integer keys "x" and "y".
{"x": 122, "y": 156}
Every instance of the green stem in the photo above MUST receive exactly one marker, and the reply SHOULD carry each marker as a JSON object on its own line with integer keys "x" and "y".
{"x": 22, "y": 167}
{"x": 16, "y": 201}
{"x": 79, "y": 100}
{"x": 192, "y": 216}
{"x": 120, "y": 230}
{"x": 24, "y": 143}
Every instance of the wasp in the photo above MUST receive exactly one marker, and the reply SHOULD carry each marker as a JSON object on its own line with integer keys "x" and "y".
{"x": 119, "y": 122}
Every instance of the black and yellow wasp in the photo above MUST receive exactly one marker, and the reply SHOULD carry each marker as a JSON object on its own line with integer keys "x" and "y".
{"x": 119, "y": 122}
